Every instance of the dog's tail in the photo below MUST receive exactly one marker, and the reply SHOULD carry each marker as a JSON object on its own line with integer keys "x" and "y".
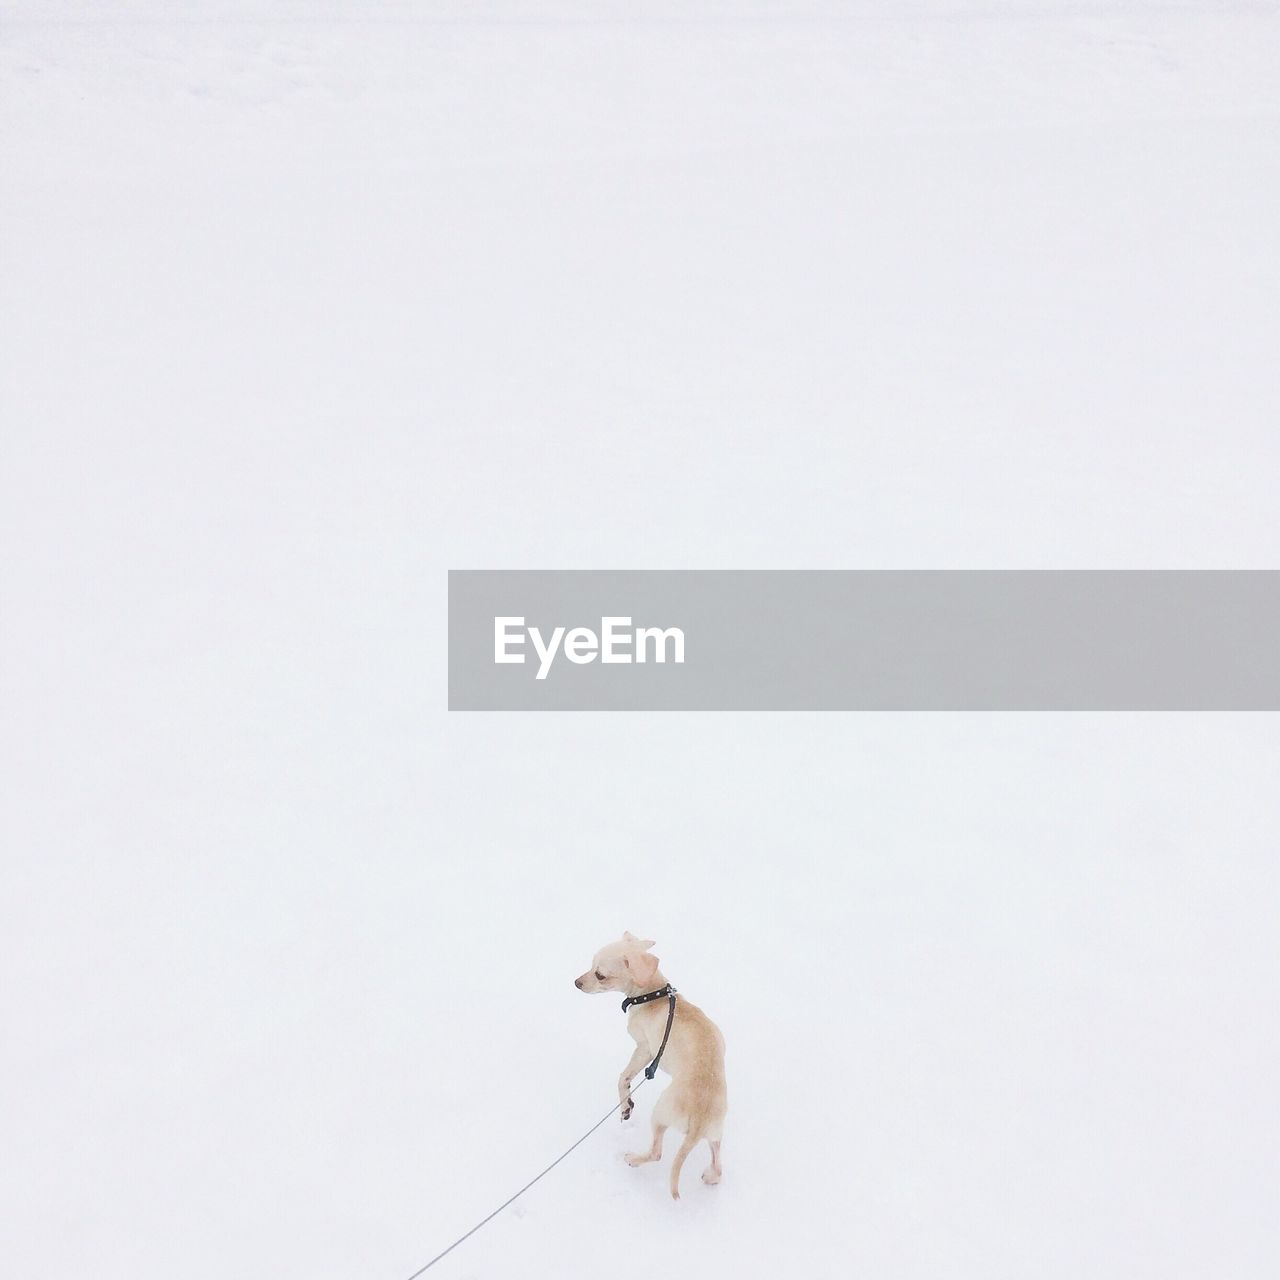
{"x": 697, "y": 1124}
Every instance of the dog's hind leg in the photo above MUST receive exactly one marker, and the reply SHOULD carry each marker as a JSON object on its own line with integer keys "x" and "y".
{"x": 634, "y": 1158}
{"x": 664, "y": 1113}
{"x": 711, "y": 1174}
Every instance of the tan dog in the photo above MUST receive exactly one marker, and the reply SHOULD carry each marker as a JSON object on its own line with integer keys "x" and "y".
{"x": 695, "y": 1100}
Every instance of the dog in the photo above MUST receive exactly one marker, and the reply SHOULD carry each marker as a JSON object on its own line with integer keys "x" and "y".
{"x": 695, "y": 1101}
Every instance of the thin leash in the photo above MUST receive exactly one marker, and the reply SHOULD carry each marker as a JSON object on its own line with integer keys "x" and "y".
{"x": 649, "y": 1072}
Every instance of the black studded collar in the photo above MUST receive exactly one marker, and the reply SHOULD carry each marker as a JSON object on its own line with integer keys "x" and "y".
{"x": 660, "y": 994}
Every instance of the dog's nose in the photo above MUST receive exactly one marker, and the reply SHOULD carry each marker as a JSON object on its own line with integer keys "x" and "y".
{"x": 577, "y": 982}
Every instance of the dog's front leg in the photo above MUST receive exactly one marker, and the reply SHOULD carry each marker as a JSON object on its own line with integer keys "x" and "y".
{"x": 638, "y": 1060}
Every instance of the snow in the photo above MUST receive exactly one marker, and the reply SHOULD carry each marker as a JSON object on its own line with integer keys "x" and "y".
{"x": 304, "y": 305}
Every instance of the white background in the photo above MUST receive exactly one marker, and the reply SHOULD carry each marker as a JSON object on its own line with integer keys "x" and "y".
{"x": 304, "y": 305}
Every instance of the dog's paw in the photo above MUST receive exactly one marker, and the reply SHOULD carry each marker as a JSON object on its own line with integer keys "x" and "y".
{"x": 710, "y": 1177}
{"x": 627, "y": 1110}
{"x": 636, "y": 1158}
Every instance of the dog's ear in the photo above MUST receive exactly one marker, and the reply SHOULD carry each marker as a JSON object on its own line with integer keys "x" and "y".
{"x": 644, "y": 945}
{"x": 642, "y": 967}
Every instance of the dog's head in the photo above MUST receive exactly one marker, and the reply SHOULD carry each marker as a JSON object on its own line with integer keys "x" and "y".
{"x": 621, "y": 966}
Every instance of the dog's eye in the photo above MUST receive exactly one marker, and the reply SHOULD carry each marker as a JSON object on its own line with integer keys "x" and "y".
{"x": 599, "y": 976}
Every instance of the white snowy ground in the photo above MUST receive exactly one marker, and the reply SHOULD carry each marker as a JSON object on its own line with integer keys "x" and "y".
{"x": 303, "y": 305}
